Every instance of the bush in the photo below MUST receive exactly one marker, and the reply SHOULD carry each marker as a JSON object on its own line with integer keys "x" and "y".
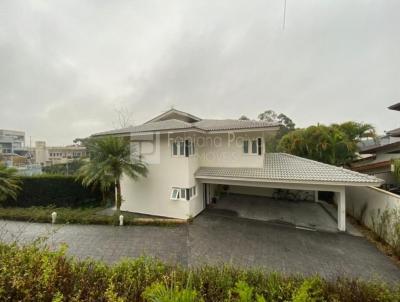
{"x": 33, "y": 273}
{"x": 57, "y": 190}
{"x": 70, "y": 168}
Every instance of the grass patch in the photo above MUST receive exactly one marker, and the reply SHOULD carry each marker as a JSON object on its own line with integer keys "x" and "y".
{"x": 34, "y": 273}
{"x": 79, "y": 216}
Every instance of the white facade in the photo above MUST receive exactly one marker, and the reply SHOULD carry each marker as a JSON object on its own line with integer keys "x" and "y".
{"x": 152, "y": 195}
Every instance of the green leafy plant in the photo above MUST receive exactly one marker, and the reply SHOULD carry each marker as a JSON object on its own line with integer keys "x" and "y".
{"x": 9, "y": 183}
{"x": 396, "y": 171}
{"x": 311, "y": 290}
{"x": 245, "y": 293}
{"x": 160, "y": 292}
{"x": 335, "y": 144}
{"x": 36, "y": 273}
{"x": 110, "y": 158}
{"x": 56, "y": 190}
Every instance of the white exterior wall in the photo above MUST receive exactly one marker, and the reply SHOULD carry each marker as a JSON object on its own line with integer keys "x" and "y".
{"x": 374, "y": 198}
{"x": 151, "y": 195}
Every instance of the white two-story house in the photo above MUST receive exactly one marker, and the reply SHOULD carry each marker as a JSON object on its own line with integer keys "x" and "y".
{"x": 189, "y": 157}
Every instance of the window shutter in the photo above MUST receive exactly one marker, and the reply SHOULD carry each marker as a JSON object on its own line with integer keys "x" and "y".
{"x": 259, "y": 146}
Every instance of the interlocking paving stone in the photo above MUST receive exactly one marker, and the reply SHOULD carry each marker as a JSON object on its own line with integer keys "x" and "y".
{"x": 216, "y": 239}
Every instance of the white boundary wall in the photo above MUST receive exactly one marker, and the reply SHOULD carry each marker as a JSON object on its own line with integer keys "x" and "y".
{"x": 373, "y": 198}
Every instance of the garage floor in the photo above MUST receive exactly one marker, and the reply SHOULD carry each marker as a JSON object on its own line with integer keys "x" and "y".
{"x": 301, "y": 214}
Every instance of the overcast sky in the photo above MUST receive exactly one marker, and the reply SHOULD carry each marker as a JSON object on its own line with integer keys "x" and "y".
{"x": 65, "y": 66}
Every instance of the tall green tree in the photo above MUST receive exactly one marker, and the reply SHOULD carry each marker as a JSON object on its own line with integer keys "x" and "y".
{"x": 287, "y": 125}
{"x": 110, "y": 159}
{"x": 9, "y": 183}
{"x": 336, "y": 144}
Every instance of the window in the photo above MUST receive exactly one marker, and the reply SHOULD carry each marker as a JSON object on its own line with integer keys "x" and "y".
{"x": 175, "y": 194}
{"x": 183, "y": 193}
{"x": 253, "y": 146}
{"x": 246, "y": 147}
{"x": 183, "y": 148}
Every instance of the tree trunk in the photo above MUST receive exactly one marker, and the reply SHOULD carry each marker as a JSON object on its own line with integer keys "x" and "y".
{"x": 118, "y": 197}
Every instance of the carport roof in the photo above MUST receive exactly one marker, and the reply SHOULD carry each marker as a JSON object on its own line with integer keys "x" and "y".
{"x": 286, "y": 168}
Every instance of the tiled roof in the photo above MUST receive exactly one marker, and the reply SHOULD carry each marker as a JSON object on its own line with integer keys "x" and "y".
{"x": 394, "y": 132}
{"x": 229, "y": 124}
{"x": 203, "y": 125}
{"x": 282, "y": 167}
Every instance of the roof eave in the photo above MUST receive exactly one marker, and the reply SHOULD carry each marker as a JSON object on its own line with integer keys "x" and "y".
{"x": 288, "y": 181}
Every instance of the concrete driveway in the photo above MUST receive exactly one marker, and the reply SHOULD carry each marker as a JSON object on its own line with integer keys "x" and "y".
{"x": 301, "y": 214}
{"x": 215, "y": 239}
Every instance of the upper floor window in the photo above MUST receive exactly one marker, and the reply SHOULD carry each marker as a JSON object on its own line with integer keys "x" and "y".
{"x": 252, "y": 146}
{"x": 183, "y": 148}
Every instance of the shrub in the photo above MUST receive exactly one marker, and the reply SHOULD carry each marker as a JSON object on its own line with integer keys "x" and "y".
{"x": 160, "y": 292}
{"x": 35, "y": 273}
{"x": 311, "y": 290}
{"x": 57, "y": 190}
{"x": 70, "y": 168}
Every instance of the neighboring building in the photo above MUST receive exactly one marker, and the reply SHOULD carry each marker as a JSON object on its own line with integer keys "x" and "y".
{"x": 11, "y": 141}
{"x": 190, "y": 158}
{"x": 377, "y": 158}
{"x": 45, "y": 156}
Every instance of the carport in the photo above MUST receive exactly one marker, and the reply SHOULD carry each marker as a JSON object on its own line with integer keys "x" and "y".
{"x": 284, "y": 171}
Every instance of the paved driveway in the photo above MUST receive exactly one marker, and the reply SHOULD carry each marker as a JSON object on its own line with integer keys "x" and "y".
{"x": 215, "y": 239}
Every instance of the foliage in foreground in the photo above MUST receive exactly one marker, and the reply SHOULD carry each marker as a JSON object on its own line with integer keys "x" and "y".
{"x": 30, "y": 273}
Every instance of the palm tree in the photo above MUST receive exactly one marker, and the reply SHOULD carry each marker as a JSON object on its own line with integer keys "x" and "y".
{"x": 9, "y": 183}
{"x": 110, "y": 158}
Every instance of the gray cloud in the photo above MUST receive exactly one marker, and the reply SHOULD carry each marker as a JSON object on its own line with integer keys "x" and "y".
{"x": 66, "y": 65}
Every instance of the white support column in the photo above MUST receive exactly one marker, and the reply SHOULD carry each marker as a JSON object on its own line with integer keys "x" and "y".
{"x": 316, "y": 196}
{"x": 341, "y": 205}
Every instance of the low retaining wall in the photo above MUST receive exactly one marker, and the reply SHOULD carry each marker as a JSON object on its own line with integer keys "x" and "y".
{"x": 366, "y": 203}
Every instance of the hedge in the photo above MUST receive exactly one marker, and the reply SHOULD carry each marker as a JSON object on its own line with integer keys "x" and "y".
{"x": 57, "y": 190}
{"x": 31, "y": 273}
